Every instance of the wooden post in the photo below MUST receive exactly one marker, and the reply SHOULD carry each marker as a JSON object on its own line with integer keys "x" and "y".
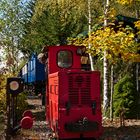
{"x": 8, "y": 124}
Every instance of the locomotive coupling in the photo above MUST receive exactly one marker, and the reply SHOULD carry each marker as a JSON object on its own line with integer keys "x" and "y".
{"x": 85, "y": 120}
{"x": 82, "y": 125}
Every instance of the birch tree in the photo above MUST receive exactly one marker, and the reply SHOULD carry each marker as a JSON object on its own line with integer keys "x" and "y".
{"x": 120, "y": 45}
{"x": 89, "y": 30}
{"x": 105, "y": 62}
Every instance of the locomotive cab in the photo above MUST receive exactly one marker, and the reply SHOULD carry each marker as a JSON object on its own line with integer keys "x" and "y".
{"x": 63, "y": 57}
{"x": 73, "y": 95}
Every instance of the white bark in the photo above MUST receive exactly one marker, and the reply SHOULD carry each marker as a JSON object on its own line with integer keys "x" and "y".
{"x": 111, "y": 94}
{"x": 89, "y": 27}
{"x": 105, "y": 84}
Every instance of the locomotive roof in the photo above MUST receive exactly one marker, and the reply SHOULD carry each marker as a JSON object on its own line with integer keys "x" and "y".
{"x": 46, "y": 48}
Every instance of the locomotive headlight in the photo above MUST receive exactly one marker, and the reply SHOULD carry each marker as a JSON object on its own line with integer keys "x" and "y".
{"x": 14, "y": 85}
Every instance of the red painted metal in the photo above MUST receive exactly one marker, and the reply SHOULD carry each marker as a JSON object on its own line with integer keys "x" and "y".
{"x": 27, "y": 113}
{"x": 52, "y": 57}
{"x": 73, "y": 98}
{"x": 26, "y": 122}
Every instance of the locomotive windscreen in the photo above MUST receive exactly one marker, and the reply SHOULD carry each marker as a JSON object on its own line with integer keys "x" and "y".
{"x": 64, "y": 59}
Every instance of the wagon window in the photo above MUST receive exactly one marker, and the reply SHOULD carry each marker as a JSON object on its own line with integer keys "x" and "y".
{"x": 64, "y": 59}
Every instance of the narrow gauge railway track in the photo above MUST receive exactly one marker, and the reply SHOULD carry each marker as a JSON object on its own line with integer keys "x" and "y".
{"x": 41, "y": 131}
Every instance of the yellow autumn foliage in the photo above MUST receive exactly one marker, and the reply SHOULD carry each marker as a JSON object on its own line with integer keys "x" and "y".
{"x": 123, "y": 2}
{"x": 119, "y": 44}
{"x": 137, "y": 24}
{"x": 2, "y": 93}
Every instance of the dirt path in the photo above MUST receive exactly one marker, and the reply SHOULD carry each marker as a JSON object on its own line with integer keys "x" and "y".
{"x": 40, "y": 129}
{"x": 113, "y": 131}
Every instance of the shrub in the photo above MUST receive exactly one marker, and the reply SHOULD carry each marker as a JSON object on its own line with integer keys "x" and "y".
{"x": 21, "y": 99}
{"x": 125, "y": 97}
{"x": 22, "y": 105}
{"x": 2, "y": 93}
{"x": 2, "y": 100}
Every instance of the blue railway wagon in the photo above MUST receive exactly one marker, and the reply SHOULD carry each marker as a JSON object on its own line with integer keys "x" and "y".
{"x": 29, "y": 71}
{"x": 36, "y": 70}
{"x": 36, "y": 75}
{"x": 33, "y": 74}
{"x": 24, "y": 73}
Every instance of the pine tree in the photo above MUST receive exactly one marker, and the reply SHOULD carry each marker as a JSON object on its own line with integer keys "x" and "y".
{"x": 125, "y": 97}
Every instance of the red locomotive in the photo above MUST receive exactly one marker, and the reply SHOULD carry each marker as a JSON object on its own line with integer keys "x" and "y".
{"x": 73, "y": 103}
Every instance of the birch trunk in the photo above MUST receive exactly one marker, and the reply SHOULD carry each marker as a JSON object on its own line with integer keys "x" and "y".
{"x": 105, "y": 84}
{"x": 111, "y": 94}
{"x": 89, "y": 30}
{"x": 105, "y": 62}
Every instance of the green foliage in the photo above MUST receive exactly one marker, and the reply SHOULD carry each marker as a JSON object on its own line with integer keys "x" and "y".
{"x": 12, "y": 18}
{"x": 125, "y": 97}
{"x": 3, "y": 77}
{"x": 53, "y": 24}
{"x": 2, "y": 93}
{"x": 54, "y": 21}
{"x": 22, "y": 104}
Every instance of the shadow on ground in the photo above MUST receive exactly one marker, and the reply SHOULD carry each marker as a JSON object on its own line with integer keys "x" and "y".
{"x": 40, "y": 115}
{"x": 122, "y": 133}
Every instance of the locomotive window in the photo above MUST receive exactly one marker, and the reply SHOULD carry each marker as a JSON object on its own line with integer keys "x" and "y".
{"x": 64, "y": 59}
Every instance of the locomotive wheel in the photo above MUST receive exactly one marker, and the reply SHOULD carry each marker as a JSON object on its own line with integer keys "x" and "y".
{"x": 26, "y": 122}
